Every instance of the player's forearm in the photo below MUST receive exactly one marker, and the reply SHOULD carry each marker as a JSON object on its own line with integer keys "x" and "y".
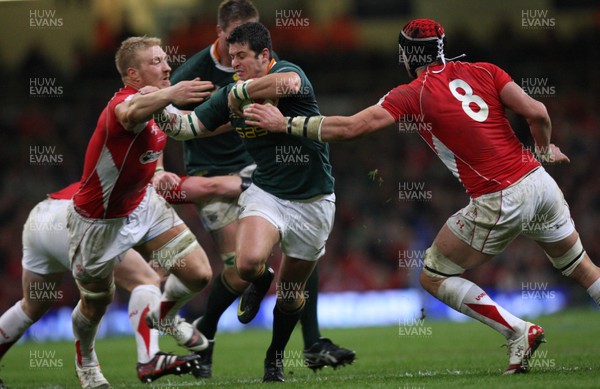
{"x": 228, "y": 186}
{"x": 142, "y": 107}
{"x": 202, "y": 189}
{"x": 514, "y": 98}
{"x": 541, "y": 128}
{"x": 160, "y": 163}
{"x": 273, "y": 86}
{"x": 180, "y": 127}
{"x": 320, "y": 128}
{"x": 341, "y": 128}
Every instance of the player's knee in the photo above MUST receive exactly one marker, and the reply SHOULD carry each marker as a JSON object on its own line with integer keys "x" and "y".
{"x": 195, "y": 277}
{"x": 570, "y": 260}
{"x": 96, "y": 299}
{"x": 249, "y": 268}
{"x": 436, "y": 268}
{"x": 203, "y": 274}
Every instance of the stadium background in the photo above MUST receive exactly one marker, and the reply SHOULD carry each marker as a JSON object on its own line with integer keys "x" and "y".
{"x": 57, "y": 73}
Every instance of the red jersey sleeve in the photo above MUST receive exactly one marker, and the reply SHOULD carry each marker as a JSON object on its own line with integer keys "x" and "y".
{"x": 400, "y": 101}
{"x": 175, "y": 195}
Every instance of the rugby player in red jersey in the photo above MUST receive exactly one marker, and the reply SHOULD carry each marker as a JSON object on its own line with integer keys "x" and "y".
{"x": 463, "y": 106}
{"x": 116, "y": 208}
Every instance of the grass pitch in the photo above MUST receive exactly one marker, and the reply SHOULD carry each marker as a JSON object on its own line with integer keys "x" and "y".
{"x": 427, "y": 355}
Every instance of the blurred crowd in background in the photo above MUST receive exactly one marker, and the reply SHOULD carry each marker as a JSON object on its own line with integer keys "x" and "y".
{"x": 379, "y": 235}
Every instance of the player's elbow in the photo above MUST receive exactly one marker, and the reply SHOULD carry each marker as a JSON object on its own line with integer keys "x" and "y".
{"x": 133, "y": 117}
{"x": 538, "y": 114}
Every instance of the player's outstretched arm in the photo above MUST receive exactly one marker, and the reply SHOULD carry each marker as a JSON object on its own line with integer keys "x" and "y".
{"x": 185, "y": 127}
{"x": 515, "y": 99}
{"x": 270, "y": 87}
{"x": 198, "y": 190}
{"x": 141, "y": 107}
{"x": 202, "y": 189}
{"x": 321, "y": 128}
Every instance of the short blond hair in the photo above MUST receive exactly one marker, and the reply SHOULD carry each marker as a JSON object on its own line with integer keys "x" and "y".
{"x": 126, "y": 54}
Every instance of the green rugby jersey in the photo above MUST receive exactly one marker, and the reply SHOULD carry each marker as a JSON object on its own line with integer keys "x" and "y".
{"x": 220, "y": 154}
{"x": 289, "y": 167}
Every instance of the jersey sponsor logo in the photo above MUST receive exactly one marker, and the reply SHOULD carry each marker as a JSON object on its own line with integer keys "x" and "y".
{"x": 251, "y": 132}
{"x": 154, "y": 129}
{"x": 150, "y": 156}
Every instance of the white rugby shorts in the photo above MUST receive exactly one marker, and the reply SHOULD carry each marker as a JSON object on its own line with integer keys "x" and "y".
{"x": 45, "y": 238}
{"x": 533, "y": 207}
{"x": 218, "y": 212}
{"x": 304, "y": 225}
{"x": 96, "y": 245}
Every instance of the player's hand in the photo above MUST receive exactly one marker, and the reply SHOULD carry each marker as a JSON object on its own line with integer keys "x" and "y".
{"x": 558, "y": 156}
{"x": 265, "y": 116}
{"x": 190, "y": 92}
{"x": 234, "y": 103}
{"x": 165, "y": 181}
{"x": 551, "y": 155}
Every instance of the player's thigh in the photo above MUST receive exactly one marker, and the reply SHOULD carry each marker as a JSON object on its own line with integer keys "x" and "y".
{"x": 133, "y": 271}
{"x": 193, "y": 269}
{"x": 95, "y": 247}
{"x": 555, "y": 249}
{"x": 306, "y": 227}
{"x": 218, "y": 212}
{"x": 256, "y": 236}
{"x": 568, "y": 255}
{"x": 224, "y": 237}
{"x": 490, "y": 222}
{"x": 39, "y": 292}
{"x": 457, "y": 251}
{"x": 178, "y": 252}
{"x": 550, "y": 223}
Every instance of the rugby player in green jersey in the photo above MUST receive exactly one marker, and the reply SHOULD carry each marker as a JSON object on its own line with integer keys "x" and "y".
{"x": 291, "y": 201}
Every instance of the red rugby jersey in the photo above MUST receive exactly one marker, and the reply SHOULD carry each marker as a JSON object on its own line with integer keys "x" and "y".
{"x": 119, "y": 164}
{"x": 458, "y": 112}
{"x": 65, "y": 193}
